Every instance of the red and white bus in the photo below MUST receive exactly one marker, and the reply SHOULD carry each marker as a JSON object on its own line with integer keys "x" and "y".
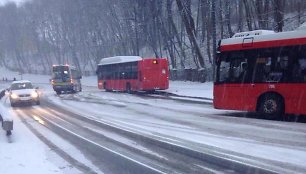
{"x": 262, "y": 71}
{"x": 133, "y": 73}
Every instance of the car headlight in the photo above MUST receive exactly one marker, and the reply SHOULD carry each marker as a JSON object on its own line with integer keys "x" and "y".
{"x": 34, "y": 95}
{"x": 14, "y": 96}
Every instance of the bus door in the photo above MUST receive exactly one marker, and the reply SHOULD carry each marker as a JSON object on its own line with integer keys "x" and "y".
{"x": 256, "y": 82}
{"x": 256, "y": 75}
{"x": 232, "y": 75}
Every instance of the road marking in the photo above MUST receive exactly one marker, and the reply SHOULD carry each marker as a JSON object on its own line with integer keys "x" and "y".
{"x": 117, "y": 153}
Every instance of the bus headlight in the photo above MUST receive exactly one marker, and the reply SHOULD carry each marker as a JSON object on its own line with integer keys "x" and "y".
{"x": 34, "y": 94}
{"x": 14, "y": 96}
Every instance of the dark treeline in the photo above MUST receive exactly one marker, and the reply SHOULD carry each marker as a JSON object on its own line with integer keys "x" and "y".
{"x": 39, "y": 33}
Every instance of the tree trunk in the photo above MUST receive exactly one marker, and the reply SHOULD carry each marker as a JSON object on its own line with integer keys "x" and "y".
{"x": 228, "y": 17}
{"x": 279, "y": 14}
{"x": 214, "y": 33}
{"x": 190, "y": 32}
{"x": 173, "y": 29}
{"x": 248, "y": 14}
{"x": 221, "y": 22}
{"x": 259, "y": 12}
{"x": 240, "y": 16}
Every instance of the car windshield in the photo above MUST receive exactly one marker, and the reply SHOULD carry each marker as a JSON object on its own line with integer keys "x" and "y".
{"x": 18, "y": 86}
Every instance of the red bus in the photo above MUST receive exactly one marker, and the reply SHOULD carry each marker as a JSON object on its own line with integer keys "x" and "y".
{"x": 133, "y": 73}
{"x": 262, "y": 71}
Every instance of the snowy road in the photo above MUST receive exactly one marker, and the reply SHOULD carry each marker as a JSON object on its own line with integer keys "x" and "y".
{"x": 150, "y": 158}
{"x": 98, "y": 115}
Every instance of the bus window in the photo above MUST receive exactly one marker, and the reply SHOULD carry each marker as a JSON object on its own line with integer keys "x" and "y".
{"x": 302, "y": 62}
{"x": 232, "y": 67}
{"x": 61, "y": 72}
{"x": 224, "y": 71}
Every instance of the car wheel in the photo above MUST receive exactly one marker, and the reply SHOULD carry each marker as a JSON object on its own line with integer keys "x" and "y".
{"x": 58, "y": 92}
{"x": 13, "y": 104}
{"x": 38, "y": 103}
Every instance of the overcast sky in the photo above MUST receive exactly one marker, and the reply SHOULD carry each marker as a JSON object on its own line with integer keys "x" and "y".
{"x": 5, "y": 1}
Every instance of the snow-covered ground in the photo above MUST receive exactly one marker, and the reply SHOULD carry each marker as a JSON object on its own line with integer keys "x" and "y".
{"x": 23, "y": 152}
{"x": 194, "y": 89}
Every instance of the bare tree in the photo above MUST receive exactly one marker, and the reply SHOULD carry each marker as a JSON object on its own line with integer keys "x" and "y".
{"x": 279, "y": 14}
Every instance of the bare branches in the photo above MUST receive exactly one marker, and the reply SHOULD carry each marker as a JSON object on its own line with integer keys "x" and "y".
{"x": 43, "y": 32}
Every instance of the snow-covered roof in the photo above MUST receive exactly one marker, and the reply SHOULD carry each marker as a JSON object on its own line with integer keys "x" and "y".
{"x": 119, "y": 59}
{"x": 21, "y": 81}
{"x": 70, "y": 66}
{"x": 296, "y": 34}
{"x": 253, "y": 33}
{"x": 264, "y": 35}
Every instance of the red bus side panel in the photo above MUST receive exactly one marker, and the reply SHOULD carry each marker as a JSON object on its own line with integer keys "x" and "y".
{"x": 152, "y": 74}
{"x": 245, "y": 96}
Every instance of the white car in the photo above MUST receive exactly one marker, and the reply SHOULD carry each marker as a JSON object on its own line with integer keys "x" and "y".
{"x": 23, "y": 92}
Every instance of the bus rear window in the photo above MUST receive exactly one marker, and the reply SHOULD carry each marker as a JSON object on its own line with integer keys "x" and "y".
{"x": 60, "y": 68}
{"x": 61, "y": 72}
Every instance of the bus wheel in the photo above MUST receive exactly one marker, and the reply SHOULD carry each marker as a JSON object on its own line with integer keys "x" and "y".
{"x": 105, "y": 87}
{"x": 8, "y": 133}
{"x": 74, "y": 89}
{"x": 128, "y": 88}
{"x": 272, "y": 106}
